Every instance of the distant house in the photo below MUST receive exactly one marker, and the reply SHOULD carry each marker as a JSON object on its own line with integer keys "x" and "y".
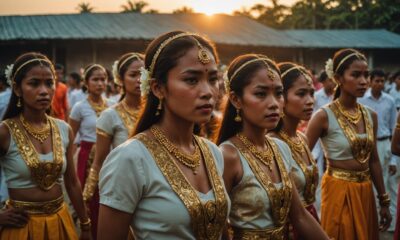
{"x": 76, "y": 40}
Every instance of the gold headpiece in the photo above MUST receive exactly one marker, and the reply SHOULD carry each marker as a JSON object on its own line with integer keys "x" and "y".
{"x": 265, "y": 60}
{"x": 116, "y": 69}
{"x": 302, "y": 70}
{"x": 147, "y": 74}
{"x": 40, "y": 60}
{"x": 91, "y": 67}
{"x": 357, "y": 54}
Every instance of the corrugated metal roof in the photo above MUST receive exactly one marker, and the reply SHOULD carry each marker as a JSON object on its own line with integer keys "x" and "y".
{"x": 222, "y": 29}
{"x": 375, "y": 38}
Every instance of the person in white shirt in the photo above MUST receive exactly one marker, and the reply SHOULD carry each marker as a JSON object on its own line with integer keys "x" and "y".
{"x": 75, "y": 92}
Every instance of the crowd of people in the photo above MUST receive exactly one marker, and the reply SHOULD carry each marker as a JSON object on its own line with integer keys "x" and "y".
{"x": 171, "y": 144}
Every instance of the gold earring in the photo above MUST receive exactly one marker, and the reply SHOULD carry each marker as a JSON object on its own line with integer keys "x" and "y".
{"x": 159, "y": 107}
{"x": 237, "y": 117}
{"x": 19, "y": 102}
{"x": 282, "y": 115}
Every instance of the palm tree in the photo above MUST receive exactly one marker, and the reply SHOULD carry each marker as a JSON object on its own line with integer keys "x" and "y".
{"x": 84, "y": 7}
{"x": 133, "y": 6}
{"x": 183, "y": 9}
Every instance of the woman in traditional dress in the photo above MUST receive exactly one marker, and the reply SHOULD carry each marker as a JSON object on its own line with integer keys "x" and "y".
{"x": 298, "y": 94}
{"x": 396, "y": 151}
{"x": 36, "y": 156}
{"x": 167, "y": 182}
{"x": 348, "y": 134}
{"x": 117, "y": 122}
{"x": 257, "y": 166}
{"x": 83, "y": 119}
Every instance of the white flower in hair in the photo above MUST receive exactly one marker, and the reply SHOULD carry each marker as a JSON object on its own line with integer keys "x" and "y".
{"x": 144, "y": 81}
{"x": 329, "y": 68}
{"x": 226, "y": 82}
{"x": 8, "y": 72}
{"x": 115, "y": 73}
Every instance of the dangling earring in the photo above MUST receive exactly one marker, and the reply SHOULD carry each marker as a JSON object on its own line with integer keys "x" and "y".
{"x": 237, "y": 117}
{"x": 159, "y": 107}
{"x": 19, "y": 102}
{"x": 282, "y": 115}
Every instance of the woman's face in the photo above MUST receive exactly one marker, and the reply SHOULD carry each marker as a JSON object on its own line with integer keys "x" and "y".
{"x": 131, "y": 78}
{"x": 192, "y": 88}
{"x": 299, "y": 101}
{"x": 355, "y": 79}
{"x": 37, "y": 88}
{"x": 97, "y": 82}
{"x": 262, "y": 100}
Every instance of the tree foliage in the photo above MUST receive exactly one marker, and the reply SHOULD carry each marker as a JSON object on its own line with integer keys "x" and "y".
{"x": 136, "y": 7}
{"x": 327, "y": 14}
{"x": 183, "y": 9}
{"x": 84, "y": 7}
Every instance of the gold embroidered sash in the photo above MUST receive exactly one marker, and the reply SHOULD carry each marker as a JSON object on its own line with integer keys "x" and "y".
{"x": 280, "y": 199}
{"x": 311, "y": 175}
{"x": 207, "y": 220}
{"x": 361, "y": 148}
{"x": 44, "y": 174}
{"x": 129, "y": 120}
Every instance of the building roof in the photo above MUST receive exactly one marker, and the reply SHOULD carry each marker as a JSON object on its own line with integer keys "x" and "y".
{"x": 374, "y": 38}
{"x": 222, "y": 29}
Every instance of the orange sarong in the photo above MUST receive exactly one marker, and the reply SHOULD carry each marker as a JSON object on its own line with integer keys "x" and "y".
{"x": 348, "y": 209}
{"x": 56, "y": 226}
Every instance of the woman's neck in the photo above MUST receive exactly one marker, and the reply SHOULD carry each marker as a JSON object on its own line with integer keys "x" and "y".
{"x": 133, "y": 101}
{"x": 34, "y": 116}
{"x": 95, "y": 98}
{"x": 255, "y": 134}
{"x": 177, "y": 130}
{"x": 347, "y": 101}
{"x": 290, "y": 125}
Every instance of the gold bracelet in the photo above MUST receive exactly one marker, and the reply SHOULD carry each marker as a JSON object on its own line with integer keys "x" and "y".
{"x": 87, "y": 222}
{"x": 86, "y": 226}
{"x": 90, "y": 185}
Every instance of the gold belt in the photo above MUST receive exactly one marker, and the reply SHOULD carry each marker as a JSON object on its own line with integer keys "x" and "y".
{"x": 48, "y": 207}
{"x": 265, "y": 234}
{"x": 348, "y": 175}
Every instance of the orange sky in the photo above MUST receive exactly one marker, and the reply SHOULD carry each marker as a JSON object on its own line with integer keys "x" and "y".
{"x": 14, "y": 7}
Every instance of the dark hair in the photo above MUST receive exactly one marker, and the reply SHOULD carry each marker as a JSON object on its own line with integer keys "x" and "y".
{"x": 76, "y": 76}
{"x": 396, "y": 75}
{"x": 229, "y": 127}
{"x": 59, "y": 66}
{"x": 23, "y": 68}
{"x": 166, "y": 60}
{"x": 377, "y": 73}
{"x": 124, "y": 67}
{"x": 323, "y": 76}
{"x": 288, "y": 80}
{"x": 337, "y": 59}
{"x": 3, "y": 78}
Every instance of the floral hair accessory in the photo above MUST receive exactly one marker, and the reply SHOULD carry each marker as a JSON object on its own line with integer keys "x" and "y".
{"x": 144, "y": 81}
{"x": 8, "y": 73}
{"x": 115, "y": 73}
{"x": 226, "y": 82}
{"x": 329, "y": 69}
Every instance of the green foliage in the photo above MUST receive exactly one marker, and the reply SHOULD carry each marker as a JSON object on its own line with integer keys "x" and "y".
{"x": 136, "y": 7}
{"x": 84, "y": 7}
{"x": 328, "y": 14}
{"x": 183, "y": 9}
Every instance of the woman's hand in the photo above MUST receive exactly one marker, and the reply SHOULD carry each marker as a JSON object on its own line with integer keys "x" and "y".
{"x": 13, "y": 218}
{"x": 385, "y": 219}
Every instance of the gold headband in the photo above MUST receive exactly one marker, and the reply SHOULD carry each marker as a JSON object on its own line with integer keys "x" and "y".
{"x": 359, "y": 56}
{"x": 203, "y": 55}
{"x": 263, "y": 59}
{"x": 91, "y": 67}
{"x": 301, "y": 70}
{"x": 133, "y": 55}
{"x": 30, "y": 61}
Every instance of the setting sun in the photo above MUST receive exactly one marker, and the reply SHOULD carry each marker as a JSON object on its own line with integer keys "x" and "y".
{"x": 211, "y": 7}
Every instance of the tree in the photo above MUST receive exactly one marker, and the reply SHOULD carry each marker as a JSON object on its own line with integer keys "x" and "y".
{"x": 183, "y": 9}
{"x": 272, "y": 16}
{"x": 84, "y": 7}
{"x": 133, "y": 6}
{"x": 243, "y": 12}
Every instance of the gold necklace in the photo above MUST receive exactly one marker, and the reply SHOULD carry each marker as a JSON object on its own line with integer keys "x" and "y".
{"x": 97, "y": 107}
{"x": 131, "y": 111}
{"x": 264, "y": 156}
{"x": 39, "y": 134}
{"x": 353, "y": 118}
{"x": 191, "y": 161}
{"x": 296, "y": 145}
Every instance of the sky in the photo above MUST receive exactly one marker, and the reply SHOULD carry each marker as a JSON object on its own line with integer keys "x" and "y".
{"x": 26, "y": 7}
